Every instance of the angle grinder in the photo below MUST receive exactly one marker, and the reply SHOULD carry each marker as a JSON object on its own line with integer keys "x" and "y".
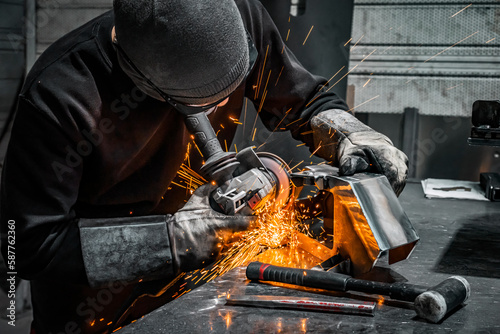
{"x": 246, "y": 180}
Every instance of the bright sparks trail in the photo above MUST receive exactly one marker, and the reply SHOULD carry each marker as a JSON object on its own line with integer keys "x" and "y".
{"x": 189, "y": 179}
{"x": 355, "y": 44}
{"x": 274, "y": 228}
{"x": 320, "y": 93}
{"x": 461, "y": 10}
{"x": 368, "y": 55}
{"x": 245, "y": 115}
{"x": 279, "y": 76}
{"x": 305, "y": 40}
{"x": 261, "y": 74}
{"x": 437, "y": 54}
{"x": 359, "y": 105}
{"x": 333, "y": 76}
{"x": 352, "y": 69}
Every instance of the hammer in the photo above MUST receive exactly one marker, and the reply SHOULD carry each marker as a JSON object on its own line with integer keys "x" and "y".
{"x": 431, "y": 304}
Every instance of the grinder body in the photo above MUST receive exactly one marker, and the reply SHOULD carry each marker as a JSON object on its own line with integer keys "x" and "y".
{"x": 247, "y": 180}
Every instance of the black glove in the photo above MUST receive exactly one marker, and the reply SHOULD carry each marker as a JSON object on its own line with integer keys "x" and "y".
{"x": 198, "y": 233}
{"x": 355, "y": 147}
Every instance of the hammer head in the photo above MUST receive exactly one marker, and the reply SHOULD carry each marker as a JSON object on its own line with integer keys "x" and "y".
{"x": 434, "y": 304}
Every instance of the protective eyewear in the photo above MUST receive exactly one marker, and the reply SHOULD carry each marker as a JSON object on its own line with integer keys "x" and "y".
{"x": 183, "y": 108}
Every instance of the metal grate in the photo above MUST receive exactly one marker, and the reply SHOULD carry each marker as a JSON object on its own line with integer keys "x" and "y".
{"x": 441, "y": 96}
{"x": 438, "y": 57}
{"x": 427, "y": 25}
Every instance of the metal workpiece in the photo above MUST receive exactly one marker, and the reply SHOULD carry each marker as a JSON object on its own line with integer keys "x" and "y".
{"x": 368, "y": 220}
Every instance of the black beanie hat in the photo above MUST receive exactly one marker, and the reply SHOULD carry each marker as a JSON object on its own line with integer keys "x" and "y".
{"x": 196, "y": 51}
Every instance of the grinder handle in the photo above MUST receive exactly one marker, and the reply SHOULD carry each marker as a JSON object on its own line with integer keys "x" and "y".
{"x": 332, "y": 281}
{"x": 204, "y": 135}
{"x": 310, "y": 278}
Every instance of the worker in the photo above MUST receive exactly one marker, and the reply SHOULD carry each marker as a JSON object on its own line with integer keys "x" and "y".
{"x": 95, "y": 147}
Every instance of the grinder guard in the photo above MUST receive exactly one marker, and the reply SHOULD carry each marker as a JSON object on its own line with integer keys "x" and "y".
{"x": 364, "y": 213}
{"x": 260, "y": 178}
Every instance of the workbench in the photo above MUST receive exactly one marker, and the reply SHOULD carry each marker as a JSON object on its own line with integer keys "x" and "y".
{"x": 457, "y": 237}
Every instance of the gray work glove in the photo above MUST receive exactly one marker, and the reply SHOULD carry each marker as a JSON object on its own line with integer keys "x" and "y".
{"x": 355, "y": 147}
{"x": 198, "y": 233}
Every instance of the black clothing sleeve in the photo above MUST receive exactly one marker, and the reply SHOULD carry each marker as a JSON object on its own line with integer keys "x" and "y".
{"x": 48, "y": 235}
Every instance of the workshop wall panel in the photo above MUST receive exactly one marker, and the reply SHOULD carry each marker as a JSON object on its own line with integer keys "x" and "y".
{"x": 446, "y": 44}
{"x": 63, "y": 21}
{"x": 57, "y": 17}
{"x": 446, "y": 96}
{"x": 438, "y": 57}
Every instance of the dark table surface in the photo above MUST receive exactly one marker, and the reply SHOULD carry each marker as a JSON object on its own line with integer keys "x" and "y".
{"x": 457, "y": 237}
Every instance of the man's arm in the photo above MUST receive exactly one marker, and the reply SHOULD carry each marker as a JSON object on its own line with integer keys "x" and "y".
{"x": 49, "y": 235}
{"x": 54, "y": 243}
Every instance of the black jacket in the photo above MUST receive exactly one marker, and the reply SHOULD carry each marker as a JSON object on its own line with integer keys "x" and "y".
{"x": 87, "y": 145}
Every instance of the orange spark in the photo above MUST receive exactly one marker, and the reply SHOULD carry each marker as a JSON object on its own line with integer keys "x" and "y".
{"x": 355, "y": 44}
{"x": 368, "y": 55}
{"x": 308, "y": 34}
{"x": 359, "y": 105}
{"x": 333, "y": 76}
{"x": 273, "y": 228}
{"x": 261, "y": 74}
{"x": 437, "y": 54}
{"x": 245, "y": 115}
{"x": 461, "y": 10}
{"x": 316, "y": 150}
{"x": 297, "y": 165}
{"x": 279, "y": 76}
